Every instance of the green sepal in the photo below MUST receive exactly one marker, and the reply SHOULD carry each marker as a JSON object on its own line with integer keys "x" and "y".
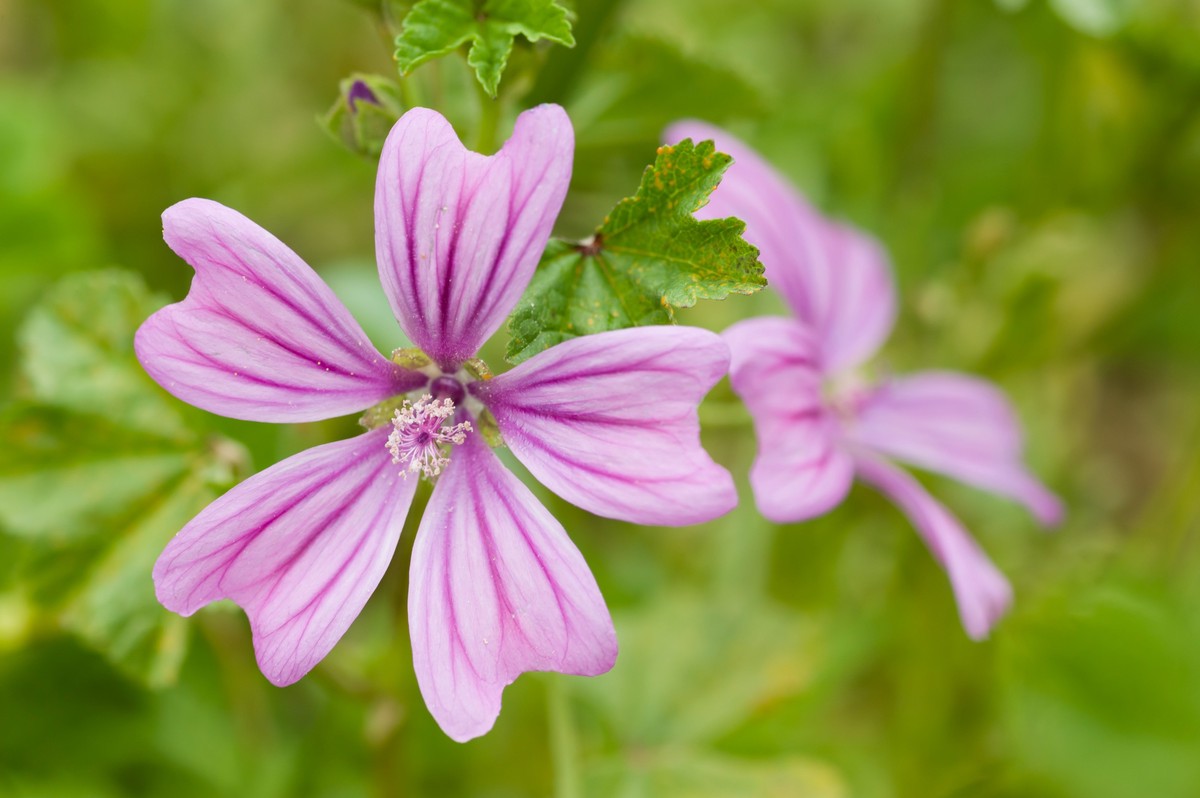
{"x": 411, "y": 359}
{"x": 381, "y": 414}
{"x": 477, "y": 369}
{"x": 486, "y": 425}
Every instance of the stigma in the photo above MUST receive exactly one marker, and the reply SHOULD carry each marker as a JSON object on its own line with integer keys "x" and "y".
{"x": 421, "y": 439}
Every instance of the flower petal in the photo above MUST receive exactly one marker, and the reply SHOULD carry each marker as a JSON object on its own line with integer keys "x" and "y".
{"x": 608, "y": 422}
{"x": 982, "y": 592}
{"x": 956, "y": 425}
{"x": 458, "y": 234}
{"x": 801, "y": 470}
{"x": 259, "y": 337}
{"x": 300, "y": 547}
{"x": 496, "y": 589}
{"x": 858, "y": 310}
{"x": 836, "y": 279}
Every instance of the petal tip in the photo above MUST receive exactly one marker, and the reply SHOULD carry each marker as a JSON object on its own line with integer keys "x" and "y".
{"x": 997, "y": 603}
{"x": 278, "y": 674}
{"x": 1050, "y": 511}
{"x": 466, "y": 732}
{"x": 725, "y": 494}
{"x": 814, "y": 490}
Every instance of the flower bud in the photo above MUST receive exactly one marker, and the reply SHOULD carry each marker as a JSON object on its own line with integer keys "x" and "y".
{"x": 366, "y": 108}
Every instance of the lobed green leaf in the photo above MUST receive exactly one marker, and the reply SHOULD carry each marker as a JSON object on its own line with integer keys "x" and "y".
{"x": 649, "y": 257}
{"x": 100, "y": 470}
{"x": 436, "y": 27}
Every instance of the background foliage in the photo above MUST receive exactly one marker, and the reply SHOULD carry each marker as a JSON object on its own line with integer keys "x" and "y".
{"x": 1033, "y": 167}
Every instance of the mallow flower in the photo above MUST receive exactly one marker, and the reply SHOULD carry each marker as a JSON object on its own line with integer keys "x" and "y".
{"x": 606, "y": 421}
{"x": 820, "y": 421}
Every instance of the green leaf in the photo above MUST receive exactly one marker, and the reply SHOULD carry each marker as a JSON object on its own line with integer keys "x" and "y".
{"x": 99, "y": 470}
{"x": 62, "y": 474}
{"x": 649, "y": 257}
{"x": 1073, "y": 715}
{"x": 77, "y": 354}
{"x": 743, "y": 659}
{"x": 436, "y": 27}
{"x": 115, "y": 609}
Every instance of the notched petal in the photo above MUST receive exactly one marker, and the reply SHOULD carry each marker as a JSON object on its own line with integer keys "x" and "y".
{"x": 458, "y": 234}
{"x": 260, "y": 336}
{"x": 801, "y": 470}
{"x": 300, "y": 547}
{"x": 496, "y": 589}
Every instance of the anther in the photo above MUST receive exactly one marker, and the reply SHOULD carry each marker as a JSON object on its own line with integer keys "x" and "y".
{"x": 420, "y": 438}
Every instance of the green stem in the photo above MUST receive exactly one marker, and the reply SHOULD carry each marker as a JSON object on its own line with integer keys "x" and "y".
{"x": 564, "y": 746}
{"x": 411, "y": 94}
{"x": 489, "y": 122}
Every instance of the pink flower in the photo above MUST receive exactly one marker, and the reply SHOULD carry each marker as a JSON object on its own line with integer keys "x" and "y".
{"x": 606, "y": 421}
{"x": 820, "y": 422}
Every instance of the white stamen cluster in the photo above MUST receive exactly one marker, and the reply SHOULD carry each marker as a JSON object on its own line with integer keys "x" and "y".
{"x": 420, "y": 438}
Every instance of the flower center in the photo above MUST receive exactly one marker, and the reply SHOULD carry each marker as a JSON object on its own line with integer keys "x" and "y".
{"x": 846, "y": 393}
{"x": 420, "y": 439}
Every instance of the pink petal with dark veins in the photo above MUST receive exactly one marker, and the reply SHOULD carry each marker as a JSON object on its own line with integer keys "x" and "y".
{"x": 300, "y": 547}
{"x": 496, "y": 589}
{"x": 609, "y": 422}
{"x": 259, "y": 337}
{"x": 458, "y": 234}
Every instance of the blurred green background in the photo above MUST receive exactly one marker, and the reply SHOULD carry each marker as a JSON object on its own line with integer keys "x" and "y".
{"x": 1034, "y": 169}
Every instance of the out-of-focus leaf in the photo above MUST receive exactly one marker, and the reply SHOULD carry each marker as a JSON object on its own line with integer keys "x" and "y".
{"x": 1095, "y": 17}
{"x": 644, "y": 83}
{"x": 436, "y": 27}
{"x": 685, "y": 773}
{"x": 46, "y": 228}
{"x": 116, "y": 610}
{"x": 62, "y": 474}
{"x": 77, "y": 354}
{"x": 1068, "y": 277}
{"x": 739, "y": 658}
{"x": 63, "y": 786}
{"x": 100, "y": 470}
{"x": 63, "y": 704}
{"x": 1104, "y": 695}
{"x": 692, "y": 669}
{"x": 649, "y": 257}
